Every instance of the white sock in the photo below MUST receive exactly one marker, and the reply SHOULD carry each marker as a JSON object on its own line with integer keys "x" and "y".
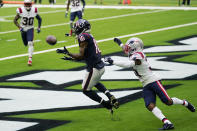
{"x": 177, "y": 101}
{"x": 30, "y": 48}
{"x": 157, "y": 112}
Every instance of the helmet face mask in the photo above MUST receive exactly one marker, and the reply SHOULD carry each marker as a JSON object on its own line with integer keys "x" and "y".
{"x": 133, "y": 45}
{"x": 81, "y": 26}
{"x": 28, "y": 4}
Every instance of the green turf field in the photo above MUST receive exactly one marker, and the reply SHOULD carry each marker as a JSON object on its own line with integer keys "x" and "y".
{"x": 132, "y": 115}
{"x": 133, "y": 2}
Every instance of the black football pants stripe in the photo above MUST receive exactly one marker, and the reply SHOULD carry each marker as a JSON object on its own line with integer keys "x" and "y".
{"x": 88, "y": 80}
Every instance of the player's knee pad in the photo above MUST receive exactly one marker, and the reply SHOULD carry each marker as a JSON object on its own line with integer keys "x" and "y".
{"x": 30, "y": 43}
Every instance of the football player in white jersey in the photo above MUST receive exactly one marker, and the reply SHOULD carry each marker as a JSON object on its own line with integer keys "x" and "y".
{"x": 76, "y": 11}
{"x": 27, "y": 13}
{"x": 151, "y": 83}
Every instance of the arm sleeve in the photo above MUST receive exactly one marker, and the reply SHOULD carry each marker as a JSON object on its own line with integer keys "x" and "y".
{"x": 39, "y": 20}
{"x": 124, "y": 64}
{"x": 84, "y": 3}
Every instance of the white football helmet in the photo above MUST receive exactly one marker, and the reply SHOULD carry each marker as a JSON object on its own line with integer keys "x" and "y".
{"x": 134, "y": 44}
{"x": 28, "y": 4}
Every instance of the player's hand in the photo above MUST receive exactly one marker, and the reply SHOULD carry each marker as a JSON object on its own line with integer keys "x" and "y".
{"x": 21, "y": 29}
{"x": 109, "y": 60}
{"x": 66, "y": 14}
{"x": 38, "y": 30}
{"x": 118, "y": 41}
{"x": 67, "y": 58}
{"x": 64, "y": 51}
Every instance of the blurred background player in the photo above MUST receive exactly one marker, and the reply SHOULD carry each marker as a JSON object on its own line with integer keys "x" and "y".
{"x": 27, "y": 13}
{"x": 188, "y": 2}
{"x": 40, "y": 1}
{"x": 151, "y": 83}
{"x": 75, "y": 11}
{"x": 1, "y": 3}
{"x": 52, "y": 2}
{"x": 89, "y": 51}
{"x": 101, "y": 2}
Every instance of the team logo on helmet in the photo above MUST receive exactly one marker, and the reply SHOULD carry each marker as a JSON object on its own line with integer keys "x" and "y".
{"x": 134, "y": 44}
{"x": 81, "y": 26}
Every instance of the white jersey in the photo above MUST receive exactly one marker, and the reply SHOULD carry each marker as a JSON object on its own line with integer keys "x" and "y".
{"x": 27, "y": 17}
{"x": 75, "y": 5}
{"x": 143, "y": 71}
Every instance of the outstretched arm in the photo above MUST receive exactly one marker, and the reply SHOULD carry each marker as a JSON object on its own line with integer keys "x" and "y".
{"x": 119, "y": 42}
{"x": 81, "y": 53}
{"x": 78, "y": 56}
{"x": 123, "y": 63}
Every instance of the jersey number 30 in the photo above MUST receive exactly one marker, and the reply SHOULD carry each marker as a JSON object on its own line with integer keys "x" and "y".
{"x": 28, "y": 21}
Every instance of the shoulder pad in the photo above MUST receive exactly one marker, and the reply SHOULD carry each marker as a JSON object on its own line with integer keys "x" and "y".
{"x": 19, "y": 10}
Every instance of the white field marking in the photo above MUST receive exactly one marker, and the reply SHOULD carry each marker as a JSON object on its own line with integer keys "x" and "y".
{"x": 36, "y": 41}
{"x": 4, "y": 20}
{"x": 56, "y": 11}
{"x": 112, "y": 7}
{"x": 105, "y": 18}
{"x": 99, "y": 41}
{"x": 11, "y": 40}
{"x": 64, "y": 41}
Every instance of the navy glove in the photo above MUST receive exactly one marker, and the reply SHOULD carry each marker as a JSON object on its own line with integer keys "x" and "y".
{"x": 21, "y": 30}
{"x": 118, "y": 41}
{"x": 67, "y": 58}
{"x": 66, "y": 14}
{"x": 109, "y": 60}
{"x": 38, "y": 30}
{"x": 64, "y": 51}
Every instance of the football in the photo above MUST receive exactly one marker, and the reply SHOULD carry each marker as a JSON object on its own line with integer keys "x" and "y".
{"x": 51, "y": 40}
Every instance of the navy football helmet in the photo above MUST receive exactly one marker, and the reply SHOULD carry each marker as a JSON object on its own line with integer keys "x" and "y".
{"x": 81, "y": 26}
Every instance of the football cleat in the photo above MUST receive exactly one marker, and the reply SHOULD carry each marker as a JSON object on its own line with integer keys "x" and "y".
{"x": 167, "y": 126}
{"x": 67, "y": 34}
{"x": 114, "y": 102}
{"x": 29, "y": 63}
{"x": 190, "y": 107}
{"x": 107, "y": 105}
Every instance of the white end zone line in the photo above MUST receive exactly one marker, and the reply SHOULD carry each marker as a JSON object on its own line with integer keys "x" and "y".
{"x": 99, "y": 41}
{"x": 112, "y": 7}
{"x": 97, "y": 19}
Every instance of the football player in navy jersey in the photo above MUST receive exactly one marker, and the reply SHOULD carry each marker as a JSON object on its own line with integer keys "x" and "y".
{"x": 89, "y": 51}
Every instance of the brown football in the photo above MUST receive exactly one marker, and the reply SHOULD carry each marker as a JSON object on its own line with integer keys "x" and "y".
{"x": 51, "y": 40}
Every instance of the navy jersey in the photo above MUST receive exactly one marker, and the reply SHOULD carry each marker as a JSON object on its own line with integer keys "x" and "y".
{"x": 92, "y": 54}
